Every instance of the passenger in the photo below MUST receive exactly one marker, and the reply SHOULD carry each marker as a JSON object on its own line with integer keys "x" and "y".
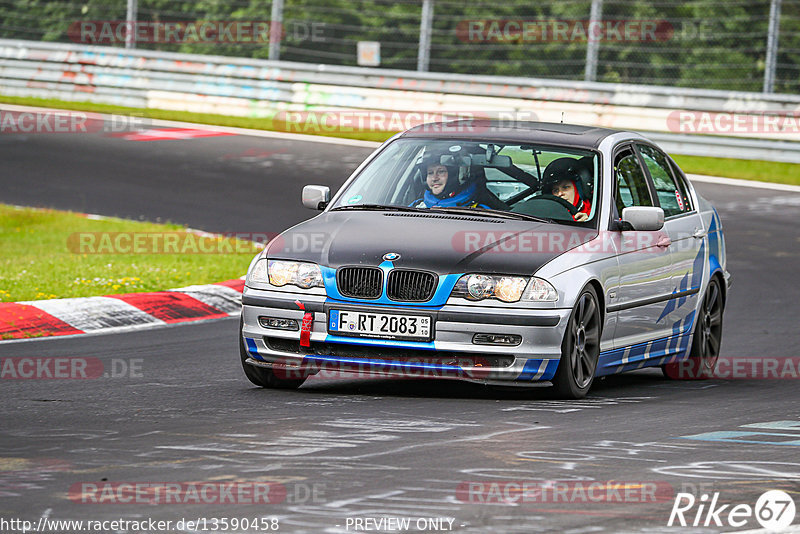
{"x": 562, "y": 179}
{"x": 444, "y": 188}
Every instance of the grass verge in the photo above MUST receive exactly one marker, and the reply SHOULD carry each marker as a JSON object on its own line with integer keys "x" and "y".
{"x": 745, "y": 169}
{"x": 767, "y": 171}
{"x": 50, "y": 254}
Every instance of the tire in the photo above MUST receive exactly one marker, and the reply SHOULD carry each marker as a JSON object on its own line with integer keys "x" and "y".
{"x": 263, "y": 376}
{"x": 706, "y": 341}
{"x": 580, "y": 349}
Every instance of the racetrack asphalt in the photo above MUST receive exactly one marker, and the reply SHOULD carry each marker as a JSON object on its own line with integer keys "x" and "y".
{"x": 172, "y": 404}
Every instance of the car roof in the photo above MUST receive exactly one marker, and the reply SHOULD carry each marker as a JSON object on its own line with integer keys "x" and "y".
{"x": 549, "y": 133}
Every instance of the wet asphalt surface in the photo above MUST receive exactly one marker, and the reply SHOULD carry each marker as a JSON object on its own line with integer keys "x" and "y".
{"x": 175, "y": 408}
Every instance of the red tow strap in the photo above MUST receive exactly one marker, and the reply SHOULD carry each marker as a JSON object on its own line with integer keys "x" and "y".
{"x": 305, "y": 329}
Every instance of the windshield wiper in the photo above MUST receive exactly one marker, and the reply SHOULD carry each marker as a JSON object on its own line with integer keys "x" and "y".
{"x": 376, "y": 207}
{"x": 493, "y": 213}
{"x": 478, "y": 212}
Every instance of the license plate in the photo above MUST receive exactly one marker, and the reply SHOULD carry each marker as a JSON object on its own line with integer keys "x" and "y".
{"x": 380, "y": 325}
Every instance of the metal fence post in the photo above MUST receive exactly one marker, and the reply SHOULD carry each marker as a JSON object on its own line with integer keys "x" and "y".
{"x": 593, "y": 44}
{"x": 424, "y": 54}
{"x": 772, "y": 45}
{"x": 276, "y": 30}
{"x": 130, "y": 19}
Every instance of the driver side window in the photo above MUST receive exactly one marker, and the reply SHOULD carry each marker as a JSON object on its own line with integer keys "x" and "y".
{"x": 631, "y": 185}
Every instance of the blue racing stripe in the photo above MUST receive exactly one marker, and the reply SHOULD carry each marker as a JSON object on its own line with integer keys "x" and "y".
{"x": 529, "y": 370}
{"x": 642, "y": 354}
{"x": 550, "y": 370}
{"x": 532, "y": 367}
{"x": 252, "y": 350}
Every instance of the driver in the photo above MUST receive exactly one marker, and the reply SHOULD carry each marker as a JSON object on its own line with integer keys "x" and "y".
{"x": 444, "y": 189}
{"x": 562, "y": 179}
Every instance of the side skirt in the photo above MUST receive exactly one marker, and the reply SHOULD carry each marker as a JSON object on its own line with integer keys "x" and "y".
{"x": 650, "y": 354}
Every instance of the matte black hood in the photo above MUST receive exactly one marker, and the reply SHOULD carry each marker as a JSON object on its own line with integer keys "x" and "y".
{"x": 441, "y": 243}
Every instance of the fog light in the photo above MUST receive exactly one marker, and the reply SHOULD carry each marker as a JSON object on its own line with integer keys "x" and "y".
{"x": 278, "y": 323}
{"x": 496, "y": 339}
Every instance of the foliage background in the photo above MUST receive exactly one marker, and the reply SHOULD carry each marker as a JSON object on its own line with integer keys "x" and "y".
{"x": 716, "y": 44}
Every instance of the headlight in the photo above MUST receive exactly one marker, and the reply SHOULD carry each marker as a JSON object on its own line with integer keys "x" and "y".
{"x": 280, "y": 273}
{"x": 480, "y": 286}
{"x": 505, "y": 288}
{"x": 484, "y": 286}
{"x": 301, "y": 274}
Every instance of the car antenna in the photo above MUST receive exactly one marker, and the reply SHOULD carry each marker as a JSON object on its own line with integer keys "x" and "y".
{"x": 562, "y": 117}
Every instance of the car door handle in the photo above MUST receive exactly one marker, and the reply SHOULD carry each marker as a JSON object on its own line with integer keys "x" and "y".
{"x": 664, "y": 242}
{"x": 699, "y": 233}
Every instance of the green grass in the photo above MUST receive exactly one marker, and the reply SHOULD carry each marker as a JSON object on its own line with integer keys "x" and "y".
{"x": 44, "y": 257}
{"x": 768, "y": 171}
{"x": 765, "y": 171}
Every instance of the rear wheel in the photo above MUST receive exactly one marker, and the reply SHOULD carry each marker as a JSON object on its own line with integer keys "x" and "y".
{"x": 580, "y": 349}
{"x": 707, "y": 340}
{"x": 263, "y": 376}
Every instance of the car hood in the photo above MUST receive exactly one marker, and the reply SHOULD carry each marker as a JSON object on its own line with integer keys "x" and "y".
{"x": 441, "y": 243}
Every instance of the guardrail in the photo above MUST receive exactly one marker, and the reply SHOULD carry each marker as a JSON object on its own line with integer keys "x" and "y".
{"x": 261, "y": 88}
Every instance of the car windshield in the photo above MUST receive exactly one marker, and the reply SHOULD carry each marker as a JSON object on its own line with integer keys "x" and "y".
{"x": 499, "y": 179}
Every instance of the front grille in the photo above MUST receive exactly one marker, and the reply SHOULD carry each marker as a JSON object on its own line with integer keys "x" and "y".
{"x": 411, "y": 286}
{"x": 360, "y": 282}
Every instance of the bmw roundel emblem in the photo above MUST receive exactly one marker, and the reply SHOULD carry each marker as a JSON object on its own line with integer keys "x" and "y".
{"x": 391, "y": 256}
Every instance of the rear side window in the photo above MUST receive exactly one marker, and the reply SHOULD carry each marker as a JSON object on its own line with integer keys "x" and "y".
{"x": 631, "y": 184}
{"x": 671, "y": 199}
{"x": 683, "y": 188}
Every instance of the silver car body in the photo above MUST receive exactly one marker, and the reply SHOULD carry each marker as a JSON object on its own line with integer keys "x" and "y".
{"x": 650, "y": 294}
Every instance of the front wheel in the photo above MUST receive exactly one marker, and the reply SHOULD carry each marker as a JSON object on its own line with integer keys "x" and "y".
{"x": 263, "y": 376}
{"x": 707, "y": 340}
{"x": 580, "y": 349}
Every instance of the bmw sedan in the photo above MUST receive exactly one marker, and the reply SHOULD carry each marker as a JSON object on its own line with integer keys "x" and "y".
{"x": 516, "y": 253}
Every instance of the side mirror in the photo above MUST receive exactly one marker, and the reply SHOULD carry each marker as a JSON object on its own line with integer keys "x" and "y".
{"x": 643, "y": 218}
{"x": 316, "y": 197}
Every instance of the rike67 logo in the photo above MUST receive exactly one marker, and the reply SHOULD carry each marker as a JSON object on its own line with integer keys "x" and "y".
{"x": 774, "y": 510}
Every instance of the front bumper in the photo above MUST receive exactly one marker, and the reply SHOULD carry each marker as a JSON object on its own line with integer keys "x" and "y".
{"x": 451, "y": 353}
